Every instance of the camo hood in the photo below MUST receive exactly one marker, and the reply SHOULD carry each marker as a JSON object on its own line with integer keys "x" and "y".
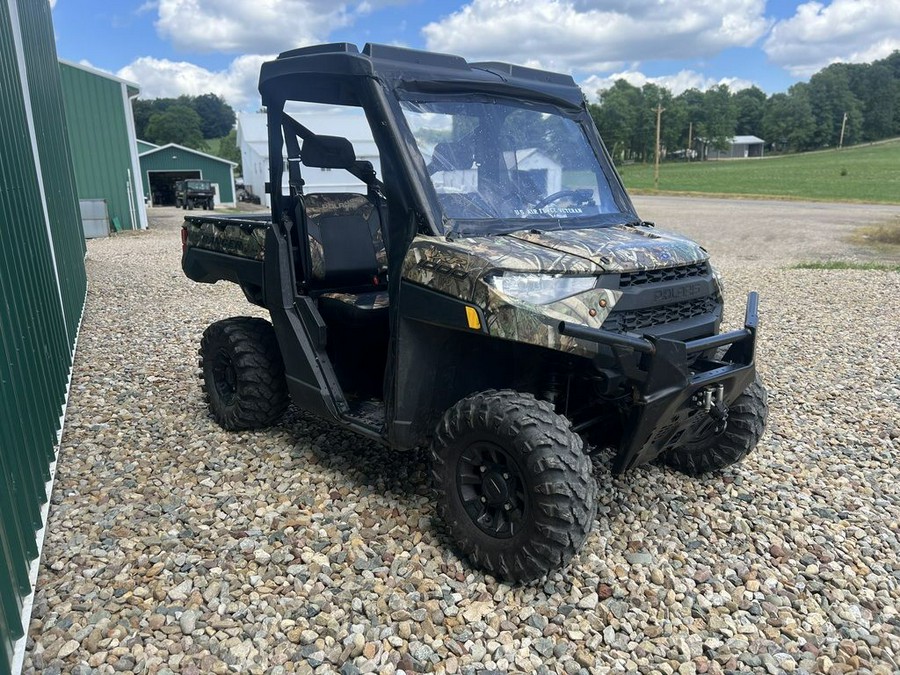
{"x": 619, "y": 248}
{"x": 454, "y": 266}
{"x": 461, "y": 267}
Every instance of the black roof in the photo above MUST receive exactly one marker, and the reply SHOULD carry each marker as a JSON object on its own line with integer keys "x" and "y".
{"x": 331, "y": 73}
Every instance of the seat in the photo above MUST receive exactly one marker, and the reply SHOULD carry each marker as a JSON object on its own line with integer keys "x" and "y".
{"x": 358, "y": 309}
{"x": 347, "y": 253}
{"x": 346, "y": 244}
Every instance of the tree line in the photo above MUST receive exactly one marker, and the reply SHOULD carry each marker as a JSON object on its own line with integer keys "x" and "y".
{"x": 191, "y": 121}
{"x": 810, "y": 115}
{"x": 186, "y": 120}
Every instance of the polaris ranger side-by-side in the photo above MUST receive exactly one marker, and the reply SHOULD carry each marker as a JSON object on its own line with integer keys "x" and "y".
{"x": 492, "y": 295}
{"x": 193, "y": 192}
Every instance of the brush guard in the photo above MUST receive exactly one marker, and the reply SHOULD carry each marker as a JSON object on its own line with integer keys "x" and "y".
{"x": 669, "y": 389}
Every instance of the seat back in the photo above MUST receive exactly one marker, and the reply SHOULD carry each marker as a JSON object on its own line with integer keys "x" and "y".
{"x": 345, "y": 237}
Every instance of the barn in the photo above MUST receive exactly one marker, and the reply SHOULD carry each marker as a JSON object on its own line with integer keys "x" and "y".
{"x": 162, "y": 166}
{"x": 42, "y": 293}
{"x": 104, "y": 148}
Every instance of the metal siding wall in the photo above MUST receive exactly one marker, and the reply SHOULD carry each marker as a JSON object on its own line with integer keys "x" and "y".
{"x": 211, "y": 170}
{"x": 35, "y": 348}
{"x": 55, "y": 157}
{"x": 98, "y": 136}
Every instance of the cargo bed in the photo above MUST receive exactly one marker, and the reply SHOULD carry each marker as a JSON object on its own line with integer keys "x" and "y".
{"x": 226, "y": 248}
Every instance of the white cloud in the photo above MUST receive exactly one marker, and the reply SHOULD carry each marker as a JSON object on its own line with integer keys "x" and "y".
{"x": 253, "y": 27}
{"x": 677, "y": 83}
{"x": 578, "y": 35}
{"x": 159, "y": 78}
{"x": 52, "y": 4}
{"x": 844, "y": 30}
{"x": 227, "y": 26}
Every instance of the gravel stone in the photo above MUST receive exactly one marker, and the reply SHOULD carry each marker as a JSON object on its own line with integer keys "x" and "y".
{"x": 188, "y": 621}
{"x": 176, "y": 547}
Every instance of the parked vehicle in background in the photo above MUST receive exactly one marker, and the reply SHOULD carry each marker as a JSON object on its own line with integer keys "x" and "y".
{"x": 245, "y": 194}
{"x": 195, "y": 193}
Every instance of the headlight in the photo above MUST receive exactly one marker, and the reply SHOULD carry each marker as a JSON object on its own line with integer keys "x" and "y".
{"x": 540, "y": 289}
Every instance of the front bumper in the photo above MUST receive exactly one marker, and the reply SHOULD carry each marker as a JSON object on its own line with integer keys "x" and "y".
{"x": 667, "y": 384}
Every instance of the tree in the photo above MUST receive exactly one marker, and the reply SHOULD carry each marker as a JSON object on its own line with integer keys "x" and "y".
{"x": 674, "y": 123}
{"x": 719, "y": 117}
{"x": 691, "y": 101}
{"x": 216, "y": 115}
{"x": 877, "y": 91}
{"x": 831, "y": 97}
{"x": 788, "y": 121}
{"x": 750, "y": 105}
{"x": 616, "y": 117}
{"x": 892, "y": 63}
{"x": 809, "y": 115}
{"x": 229, "y": 150}
{"x": 177, "y": 124}
{"x": 144, "y": 110}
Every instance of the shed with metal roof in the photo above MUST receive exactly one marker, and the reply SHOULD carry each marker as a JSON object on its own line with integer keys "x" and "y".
{"x": 740, "y": 147}
{"x": 163, "y": 166}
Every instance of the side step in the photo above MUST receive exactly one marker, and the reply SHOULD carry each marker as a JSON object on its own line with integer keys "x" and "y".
{"x": 367, "y": 416}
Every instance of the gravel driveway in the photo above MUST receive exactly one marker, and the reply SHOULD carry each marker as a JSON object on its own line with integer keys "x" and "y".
{"x": 173, "y": 546}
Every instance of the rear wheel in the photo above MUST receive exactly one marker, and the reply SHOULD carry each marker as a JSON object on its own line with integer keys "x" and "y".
{"x": 243, "y": 373}
{"x": 710, "y": 449}
{"x": 513, "y": 484}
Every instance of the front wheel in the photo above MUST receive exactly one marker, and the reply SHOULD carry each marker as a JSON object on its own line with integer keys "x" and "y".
{"x": 243, "y": 373}
{"x": 712, "y": 450}
{"x": 513, "y": 484}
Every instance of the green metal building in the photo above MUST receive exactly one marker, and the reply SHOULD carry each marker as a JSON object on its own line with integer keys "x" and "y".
{"x": 102, "y": 137}
{"x": 162, "y": 166}
{"x": 144, "y": 146}
{"x": 42, "y": 293}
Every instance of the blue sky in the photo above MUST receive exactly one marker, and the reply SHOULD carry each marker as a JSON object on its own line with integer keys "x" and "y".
{"x": 171, "y": 47}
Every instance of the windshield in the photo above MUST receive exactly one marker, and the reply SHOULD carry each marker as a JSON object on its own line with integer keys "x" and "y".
{"x": 499, "y": 161}
{"x": 198, "y": 184}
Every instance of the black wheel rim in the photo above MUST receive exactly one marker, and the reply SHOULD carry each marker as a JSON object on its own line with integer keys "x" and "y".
{"x": 492, "y": 490}
{"x": 703, "y": 430}
{"x": 225, "y": 377}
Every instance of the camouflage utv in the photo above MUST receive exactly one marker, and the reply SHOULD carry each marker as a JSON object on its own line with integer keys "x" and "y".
{"x": 492, "y": 295}
{"x": 195, "y": 193}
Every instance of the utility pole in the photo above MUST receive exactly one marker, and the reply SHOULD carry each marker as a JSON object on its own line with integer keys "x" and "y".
{"x": 690, "y": 146}
{"x": 659, "y": 112}
{"x": 843, "y": 126}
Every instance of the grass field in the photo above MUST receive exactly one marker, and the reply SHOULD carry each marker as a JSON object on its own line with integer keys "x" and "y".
{"x": 865, "y": 174}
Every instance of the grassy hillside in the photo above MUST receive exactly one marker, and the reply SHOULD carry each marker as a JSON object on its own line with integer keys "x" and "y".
{"x": 868, "y": 173}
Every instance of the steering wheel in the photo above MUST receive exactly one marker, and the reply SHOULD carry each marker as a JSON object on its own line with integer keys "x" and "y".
{"x": 556, "y": 196}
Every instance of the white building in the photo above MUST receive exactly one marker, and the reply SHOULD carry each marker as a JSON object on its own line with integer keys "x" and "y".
{"x": 252, "y": 140}
{"x": 741, "y": 147}
{"x": 545, "y": 172}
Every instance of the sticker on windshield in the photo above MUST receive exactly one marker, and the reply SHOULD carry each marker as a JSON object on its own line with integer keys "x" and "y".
{"x": 553, "y": 212}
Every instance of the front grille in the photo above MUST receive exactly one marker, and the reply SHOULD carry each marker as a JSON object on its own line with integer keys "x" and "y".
{"x": 627, "y": 279}
{"x": 626, "y": 321}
